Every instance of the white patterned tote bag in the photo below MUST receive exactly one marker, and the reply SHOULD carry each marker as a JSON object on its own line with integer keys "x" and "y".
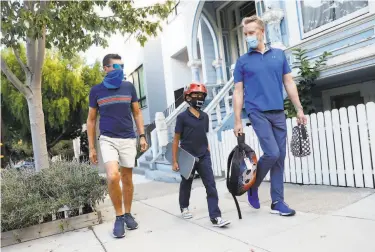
{"x": 300, "y": 144}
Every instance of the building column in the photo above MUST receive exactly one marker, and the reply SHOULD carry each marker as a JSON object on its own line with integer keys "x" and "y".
{"x": 217, "y": 64}
{"x": 272, "y": 17}
{"x": 232, "y": 69}
{"x": 195, "y": 66}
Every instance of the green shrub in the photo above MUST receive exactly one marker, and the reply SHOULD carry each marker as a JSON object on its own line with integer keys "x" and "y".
{"x": 308, "y": 73}
{"x": 63, "y": 148}
{"x": 27, "y": 196}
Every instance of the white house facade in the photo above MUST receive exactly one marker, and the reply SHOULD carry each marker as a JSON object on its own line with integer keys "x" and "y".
{"x": 202, "y": 40}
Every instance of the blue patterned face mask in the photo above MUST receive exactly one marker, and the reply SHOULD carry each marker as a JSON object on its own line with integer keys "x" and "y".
{"x": 252, "y": 42}
{"x": 114, "y": 79}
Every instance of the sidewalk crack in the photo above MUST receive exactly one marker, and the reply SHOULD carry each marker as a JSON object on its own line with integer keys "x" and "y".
{"x": 96, "y": 236}
{"x": 196, "y": 224}
{"x": 352, "y": 217}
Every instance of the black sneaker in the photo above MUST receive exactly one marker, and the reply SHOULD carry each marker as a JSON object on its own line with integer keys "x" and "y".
{"x": 130, "y": 222}
{"x": 119, "y": 228}
{"x": 219, "y": 222}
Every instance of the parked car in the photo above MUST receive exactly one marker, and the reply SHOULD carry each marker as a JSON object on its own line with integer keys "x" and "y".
{"x": 24, "y": 164}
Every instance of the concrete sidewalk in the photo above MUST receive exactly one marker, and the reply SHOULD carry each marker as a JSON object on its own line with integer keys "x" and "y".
{"x": 328, "y": 219}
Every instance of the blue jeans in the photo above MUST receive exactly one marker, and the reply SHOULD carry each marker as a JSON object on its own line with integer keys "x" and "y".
{"x": 204, "y": 169}
{"x": 270, "y": 128}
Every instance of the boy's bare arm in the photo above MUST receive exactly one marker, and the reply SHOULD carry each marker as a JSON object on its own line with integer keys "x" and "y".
{"x": 176, "y": 141}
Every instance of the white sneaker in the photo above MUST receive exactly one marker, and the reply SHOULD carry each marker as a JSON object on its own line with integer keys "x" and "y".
{"x": 186, "y": 213}
{"x": 219, "y": 222}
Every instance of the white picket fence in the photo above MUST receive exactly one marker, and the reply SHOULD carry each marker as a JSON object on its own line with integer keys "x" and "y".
{"x": 342, "y": 146}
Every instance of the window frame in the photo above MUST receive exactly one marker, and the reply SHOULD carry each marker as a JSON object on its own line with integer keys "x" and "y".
{"x": 346, "y": 95}
{"x": 237, "y": 29}
{"x": 242, "y": 7}
{"x": 142, "y": 98}
{"x": 227, "y": 54}
{"x": 330, "y": 25}
{"x": 174, "y": 13}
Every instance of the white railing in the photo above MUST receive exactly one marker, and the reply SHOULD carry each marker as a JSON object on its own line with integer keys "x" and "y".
{"x": 171, "y": 123}
{"x": 212, "y": 90}
{"x": 342, "y": 146}
{"x": 171, "y": 119}
{"x": 214, "y": 106}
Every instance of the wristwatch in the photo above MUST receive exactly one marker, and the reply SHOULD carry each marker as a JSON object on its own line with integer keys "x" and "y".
{"x": 142, "y": 135}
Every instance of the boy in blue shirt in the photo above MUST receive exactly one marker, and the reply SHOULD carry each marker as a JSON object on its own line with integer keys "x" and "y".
{"x": 190, "y": 132}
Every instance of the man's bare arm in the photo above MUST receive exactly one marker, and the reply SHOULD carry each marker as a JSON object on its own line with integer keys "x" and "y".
{"x": 91, "y": 125}
{"x": 238, "y": 100}
{"x": 137, "y": 114}
{"x": 292, "y": 91}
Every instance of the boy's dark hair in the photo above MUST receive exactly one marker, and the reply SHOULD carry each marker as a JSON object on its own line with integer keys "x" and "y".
{"x": 108, "y": 58}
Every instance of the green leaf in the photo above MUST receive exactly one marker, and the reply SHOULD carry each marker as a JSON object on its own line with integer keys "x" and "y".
{"x": 71, "y": 27}
{"x": 307, "y": 74}
{"x": 65, "y": 87}
{"x": 66, "y": 21}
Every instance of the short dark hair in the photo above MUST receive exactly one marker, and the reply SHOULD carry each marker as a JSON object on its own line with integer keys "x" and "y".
{"x": 108, "y": 57}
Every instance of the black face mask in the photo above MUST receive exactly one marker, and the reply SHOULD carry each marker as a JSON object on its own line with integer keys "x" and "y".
{"x": 196, "y": 103}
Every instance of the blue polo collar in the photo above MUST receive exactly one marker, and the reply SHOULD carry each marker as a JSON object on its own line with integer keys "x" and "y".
{"x": 192, "y": 115}
{"x": 268, "y": 48}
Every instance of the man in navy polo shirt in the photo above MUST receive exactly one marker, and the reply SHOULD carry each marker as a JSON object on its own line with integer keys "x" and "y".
{"x": 190, "y": 132}
{"x": 259, "y": 77}
{"x": 116, "y": 100}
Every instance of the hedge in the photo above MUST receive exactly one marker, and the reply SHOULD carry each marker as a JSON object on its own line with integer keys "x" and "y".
{"x": 27, "y": 195}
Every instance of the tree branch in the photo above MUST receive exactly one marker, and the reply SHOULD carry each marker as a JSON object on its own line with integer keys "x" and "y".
{"x": 54, "y": 142}
{"x": 23, "y": 65}
{"x": 25, "y": 90}
{"x": 30, "y": 43}
{"x": 41, "y": 52}
{"x": 31, "y": 53}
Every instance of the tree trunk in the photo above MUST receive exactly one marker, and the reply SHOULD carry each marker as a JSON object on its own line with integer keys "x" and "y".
{"x": 38, "y": 132}
{"x": 34, "y": 102}
{"x": 3, "y": 160}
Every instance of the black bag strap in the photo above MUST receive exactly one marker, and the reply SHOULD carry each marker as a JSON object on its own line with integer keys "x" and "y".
{"x": 241, "y": 141}
{"x": 228, "y": 167}
{"x": 237, "y": 206}
{"x": 229, "y": 186}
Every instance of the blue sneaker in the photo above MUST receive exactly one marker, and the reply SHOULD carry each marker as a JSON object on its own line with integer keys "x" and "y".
{"x": 119, "y": 228}
{"x": 252, "y": 197}
{"x": 280, "y": 207}
{"x": 130, "y": 222}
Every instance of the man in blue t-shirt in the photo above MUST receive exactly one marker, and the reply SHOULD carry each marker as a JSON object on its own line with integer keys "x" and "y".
{"x": 116, "y": 100}
{"x": 261, "y": 73}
